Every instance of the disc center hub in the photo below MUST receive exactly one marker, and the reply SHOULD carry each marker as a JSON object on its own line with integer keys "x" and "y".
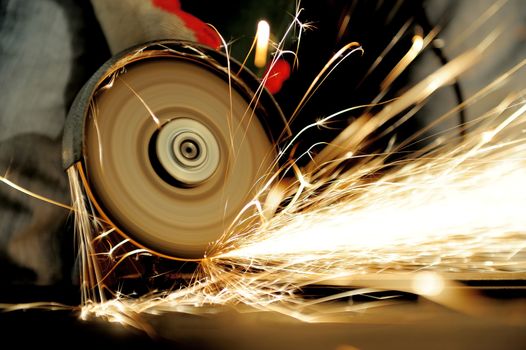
{"x": 188, "y": 151}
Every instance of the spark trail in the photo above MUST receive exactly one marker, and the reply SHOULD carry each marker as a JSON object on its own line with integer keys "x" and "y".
{"x": 454, "y": 209}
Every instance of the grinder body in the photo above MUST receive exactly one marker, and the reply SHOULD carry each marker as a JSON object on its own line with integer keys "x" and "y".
{"x": 171, "y": 141}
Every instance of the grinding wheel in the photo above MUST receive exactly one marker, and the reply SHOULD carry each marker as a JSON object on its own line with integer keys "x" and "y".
{"x": 171, "y": 152}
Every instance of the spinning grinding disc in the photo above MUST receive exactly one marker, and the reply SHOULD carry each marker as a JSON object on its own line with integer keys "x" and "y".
{"x": 170, "y": 154}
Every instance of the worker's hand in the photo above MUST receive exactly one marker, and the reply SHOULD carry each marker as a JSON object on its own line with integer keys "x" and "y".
{"x": 130, "y": 22}
{"x": 49, "y": 49}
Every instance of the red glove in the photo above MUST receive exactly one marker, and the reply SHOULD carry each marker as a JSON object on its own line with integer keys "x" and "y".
{"x": 126, "y": 23}
{"x": 204, "y": 34}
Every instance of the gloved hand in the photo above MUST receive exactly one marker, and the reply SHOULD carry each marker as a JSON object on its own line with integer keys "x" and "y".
{"x": 48, "y": 50}
{"x": 130, "y": 22}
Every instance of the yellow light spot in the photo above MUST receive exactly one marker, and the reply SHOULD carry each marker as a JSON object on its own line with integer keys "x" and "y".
{"x": 262, "y": 35}
{"x": 418, "y": 43}
{"x": 428, "y": 284}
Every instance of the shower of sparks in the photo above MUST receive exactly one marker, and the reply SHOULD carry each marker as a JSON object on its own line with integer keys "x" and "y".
{"x": 463, "y": 204}
{"x": 414, "y": 225}
{"x": 352, "y": 218}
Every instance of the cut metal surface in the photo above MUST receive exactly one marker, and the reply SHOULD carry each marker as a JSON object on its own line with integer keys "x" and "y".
{"x": 172, "y": 154}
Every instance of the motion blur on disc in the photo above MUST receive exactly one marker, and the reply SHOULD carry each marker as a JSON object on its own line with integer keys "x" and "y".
{"x": 171, "y": 152}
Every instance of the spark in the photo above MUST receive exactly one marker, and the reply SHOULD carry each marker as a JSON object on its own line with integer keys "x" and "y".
{"x": 413, "y": 224}
{"x": 17, "y": 187}
{"x": 454, "y": 208}
{"x": 478, "y": 24}
{"x": 416, "y": 48}
{"x": 424, "y": 201}
{"x": 329, "y": 67}
{"x": 150, "y": 112}
{"x": 396, "y": 38}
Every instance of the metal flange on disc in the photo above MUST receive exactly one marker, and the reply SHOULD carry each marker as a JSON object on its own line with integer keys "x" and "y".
{"x": 170, "y": 150}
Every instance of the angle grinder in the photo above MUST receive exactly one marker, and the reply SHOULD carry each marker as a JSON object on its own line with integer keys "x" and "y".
{"x": 172, "y": 140}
